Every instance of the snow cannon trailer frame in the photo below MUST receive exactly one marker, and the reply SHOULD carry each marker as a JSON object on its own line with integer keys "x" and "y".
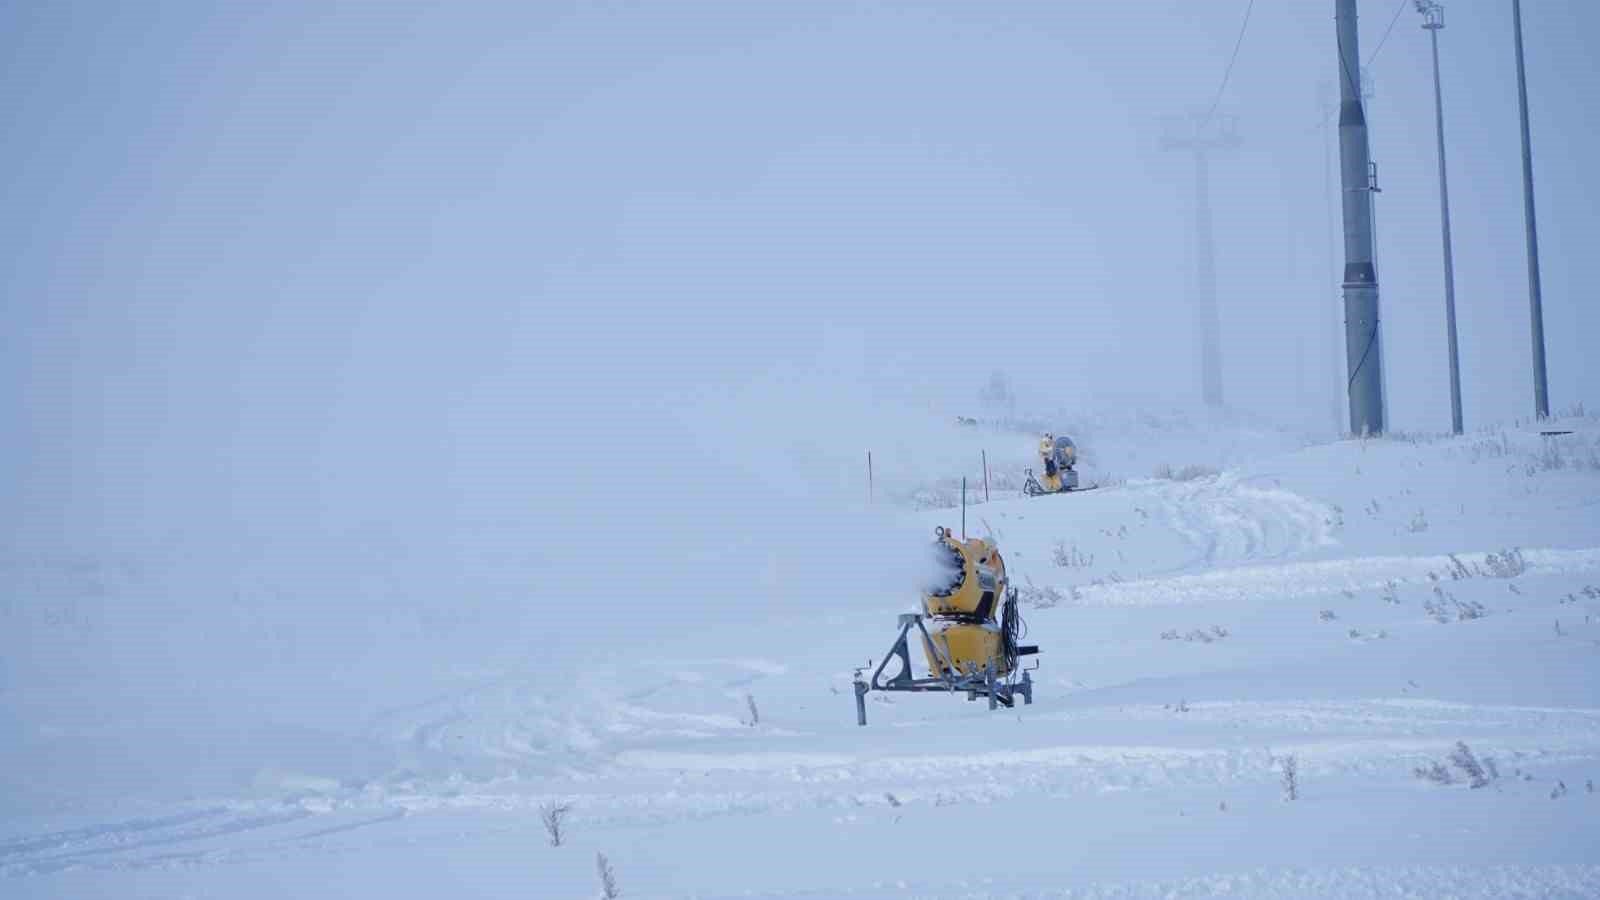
{"x": 1000, "y": 691}
{"x": 1033, "y": 488}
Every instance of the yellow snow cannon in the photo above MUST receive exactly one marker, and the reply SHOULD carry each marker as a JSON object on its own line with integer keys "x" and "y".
{"x": 972, "y": 577}
{"x": 1059, "y": 455}
{"x": 969, "y": 626}
{"x": 964, "y": 636}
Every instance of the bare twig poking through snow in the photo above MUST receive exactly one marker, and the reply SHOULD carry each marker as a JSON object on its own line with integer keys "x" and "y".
{"x": 1165, "y": 472}
{"x": 608, "y": 880}
{"x": 1327, "y": 615}
{"x": 1291, "y": 783}
{"x": 1463, "y": 759}
{"x": 1505, "y": 564}
{"x": 1433, "y": 772}
{"x": 1197, "y": 635}
{"x": 1047, "y": 596}
{"x": 552, "y": 815}
{"x": 1419, "y": 523}
{"x": 893, "y": 800}
{"x": 1391, "y": 593}
{"x": 1071, "y": 557}
{"x": 1560, "y": 790}
{"x": 753, "y": 717}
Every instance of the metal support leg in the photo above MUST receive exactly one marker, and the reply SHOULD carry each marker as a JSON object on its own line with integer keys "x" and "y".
{"x": 1027, "y": 688}
{"x": 988, "y": 680}
{"x": 861, "y": 702}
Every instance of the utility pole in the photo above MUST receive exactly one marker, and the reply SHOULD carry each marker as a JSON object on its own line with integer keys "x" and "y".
{"x": 1541, "y": 388}
{"x": 1433, "y": 20}
{"x": 1362, "y": 344}
{"x": 1201, "y": 135}
{"x": 1334, "y": 370}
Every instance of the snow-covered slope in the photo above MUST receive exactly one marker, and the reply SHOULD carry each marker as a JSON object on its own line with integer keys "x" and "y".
{"x": 1396, "y": 619}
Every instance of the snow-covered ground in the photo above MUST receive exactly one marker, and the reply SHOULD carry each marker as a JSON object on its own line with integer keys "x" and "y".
{"x": 1396, "y": 619}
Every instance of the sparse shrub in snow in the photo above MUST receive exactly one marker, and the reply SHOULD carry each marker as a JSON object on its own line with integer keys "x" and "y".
{"x": 1462, "y": 758}
{"x": 1419, "y": 523}
{"x": 893, "y": 800}
{"x": 553, "y": 816}
{"x": 1165, "y": 472}
{"x": 1433, "y": 772}
{"x": 608, "y": 879}
{"x": 1070, "y": 558}
{"x": 1478, "y": 773}
{"x": 1556, "y": 456}
{"x": 1444, "y": 602}
{"x": 753, "y": 716}
{"x": 1045, "y": 597}
{"x": 1197, "y": 635}
{"x": 1588, "y": 785}
{"x": 1560, "y": 790}
{"x": 1458, "y": 569}
{"x": 1505, "y": 564}
{"x": 1327, "y": 615}
{"x": 1291, "y": 782}
{"x": 1391, "y": 593}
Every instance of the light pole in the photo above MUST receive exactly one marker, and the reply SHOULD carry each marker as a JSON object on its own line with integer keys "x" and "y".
{"x": 1541, "y": 389}
{"x": 1433, "y": 20}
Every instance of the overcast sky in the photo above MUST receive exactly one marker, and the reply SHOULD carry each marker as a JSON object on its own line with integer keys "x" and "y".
{"x": 293, "y": 259}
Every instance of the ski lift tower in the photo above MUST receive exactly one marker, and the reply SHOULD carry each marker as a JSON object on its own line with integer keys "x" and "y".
{"x": 1202, "y": 135}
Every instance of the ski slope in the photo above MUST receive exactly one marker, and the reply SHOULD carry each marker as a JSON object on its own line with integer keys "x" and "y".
{"x": 1361, "y": 607}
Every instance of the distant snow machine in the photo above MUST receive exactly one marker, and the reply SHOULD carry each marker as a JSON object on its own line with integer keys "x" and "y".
{"x": 1058, "y": 455}
{"x": 966, "y": 648}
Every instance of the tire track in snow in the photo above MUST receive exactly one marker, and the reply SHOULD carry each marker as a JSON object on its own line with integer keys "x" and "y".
{"x": 1266, "y": 883}
{"x": 1224, "y": 518}
{"x": 125, "y": 845}
{"x": 1371, "y": 741}
{"x": 1309, "y": 579}
{"x": 111, "y": 830}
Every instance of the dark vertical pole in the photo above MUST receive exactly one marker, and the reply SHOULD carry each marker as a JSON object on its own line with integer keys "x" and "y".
{"x": 1363, "y": 350}
{"x": 1541, "y": 389}
{"x": 1433, "y": 22}
{"x": 1335, "y": 370}
{"x": 869, "y": 477}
